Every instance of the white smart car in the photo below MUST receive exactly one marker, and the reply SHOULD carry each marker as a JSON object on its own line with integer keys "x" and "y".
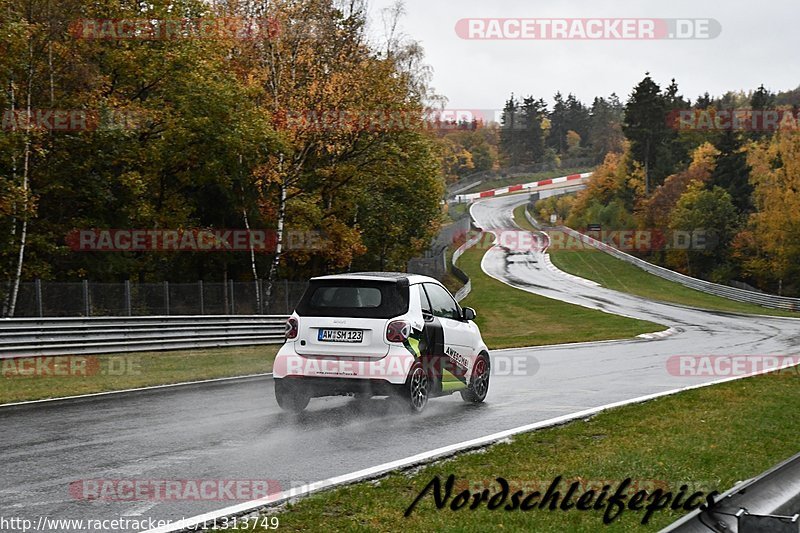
{"x": 380, "y": 334}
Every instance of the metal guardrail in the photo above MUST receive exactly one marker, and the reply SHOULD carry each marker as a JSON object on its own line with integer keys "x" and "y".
{"x": 25, "y": 337}
{"x": 732, "y": 293}
{"x": 769, "y": 502}
{"x": 464, "y": 291}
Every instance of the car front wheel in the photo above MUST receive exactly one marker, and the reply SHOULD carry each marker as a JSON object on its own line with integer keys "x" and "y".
{"x": 479, "y": 381}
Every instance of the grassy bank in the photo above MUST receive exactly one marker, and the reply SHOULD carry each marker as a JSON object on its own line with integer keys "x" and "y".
{"x": 38, "y": 378}
{"x": 510, "y": 317}
{"x": 690, "y": 438}
{"x": 520, "y": 219}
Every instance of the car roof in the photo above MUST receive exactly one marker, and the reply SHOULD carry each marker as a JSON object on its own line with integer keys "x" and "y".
{"x": 380, "y": 276}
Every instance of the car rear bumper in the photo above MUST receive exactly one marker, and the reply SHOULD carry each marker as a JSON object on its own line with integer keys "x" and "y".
{"x": 330, "y": 386}
{"x": 330, "y": 371}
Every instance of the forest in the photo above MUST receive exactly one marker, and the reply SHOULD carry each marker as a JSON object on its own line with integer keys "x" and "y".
{"x": 291, "y": 121}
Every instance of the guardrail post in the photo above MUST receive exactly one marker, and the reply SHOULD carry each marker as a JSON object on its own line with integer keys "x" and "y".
{"x": 233, "y": 305}
{"x": 128, "y": 297}
{"x": 38, "y": 297}
{"x": 202, "y": 302}
{"x": 86, "y": 311}
{"x": 166, "y": 296}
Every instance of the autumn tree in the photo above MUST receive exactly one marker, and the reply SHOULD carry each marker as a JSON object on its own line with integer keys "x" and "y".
{"x": 610, "y": 195}
{"x": 655, "y": 211}
{"x": 769, "y": 248}
{"x": 336, "y": 104}
{"x": 559, "y": 205}
{"x": 709, "y": 221}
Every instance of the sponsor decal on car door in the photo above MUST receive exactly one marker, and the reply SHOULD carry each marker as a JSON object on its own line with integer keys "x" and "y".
{"x": 448, "y": 357}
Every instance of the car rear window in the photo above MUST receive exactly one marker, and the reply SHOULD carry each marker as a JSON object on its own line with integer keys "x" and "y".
{"x": 347, "y": 297}
{"x": 354, "y": 298}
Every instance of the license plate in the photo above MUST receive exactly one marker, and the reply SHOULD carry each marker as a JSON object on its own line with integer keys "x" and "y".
{"x": 340, "y": 335}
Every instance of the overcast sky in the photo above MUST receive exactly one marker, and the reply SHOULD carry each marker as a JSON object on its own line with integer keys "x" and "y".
{"x": 759, "y": 43}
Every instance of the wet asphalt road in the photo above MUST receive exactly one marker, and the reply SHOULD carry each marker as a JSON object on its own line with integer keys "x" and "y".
{"x": 235, "y": 430}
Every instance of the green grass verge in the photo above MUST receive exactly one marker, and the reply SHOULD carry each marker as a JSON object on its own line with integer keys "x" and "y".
{"x": 691, "y": 438}
{"x": 521, "y": 219}
{"x": 618, "y": 275}
{"x": 68, "y": 376}
{"x": 510, "y": 317}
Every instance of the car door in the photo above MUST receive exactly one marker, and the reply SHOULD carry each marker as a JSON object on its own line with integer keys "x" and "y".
{"x": 458, "y": 334}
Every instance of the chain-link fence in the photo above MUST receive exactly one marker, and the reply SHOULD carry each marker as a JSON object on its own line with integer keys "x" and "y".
{"x": 54, "y": 299}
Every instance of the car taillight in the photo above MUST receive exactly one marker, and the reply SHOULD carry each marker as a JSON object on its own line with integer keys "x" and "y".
{"x": 291, "y": 329}
{"x": 398, "y": 331}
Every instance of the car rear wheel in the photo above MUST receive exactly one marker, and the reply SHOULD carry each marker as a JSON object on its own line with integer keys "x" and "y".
{"x": 417, "y": 388}
{"x": 290, "y": 396}
{"x": 479, "y": 382}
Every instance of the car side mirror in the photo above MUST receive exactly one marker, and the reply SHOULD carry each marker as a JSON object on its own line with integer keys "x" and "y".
{"x": 469, "y": 313}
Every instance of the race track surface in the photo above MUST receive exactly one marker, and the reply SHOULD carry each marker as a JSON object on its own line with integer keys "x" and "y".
{"x": 235, "y": 430}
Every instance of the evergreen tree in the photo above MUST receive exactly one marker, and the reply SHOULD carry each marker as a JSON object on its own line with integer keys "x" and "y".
{"x": 674, "y": 150}
{"x": 605, "y": 127}
{"x": 645, "y": 127}
{"x": 703, "y": 102}
{"x": 532, "y": 142}
{"x": 557, "y": 140}
{"x": 761, "y": 100}
{"x": 577, "y": 117}
{"x": 511, "y": 132}
{"x": 732, "y": 172}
